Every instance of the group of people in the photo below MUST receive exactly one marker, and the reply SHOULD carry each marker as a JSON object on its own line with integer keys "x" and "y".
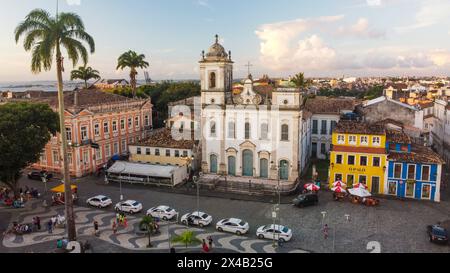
{"x": 54, "y": 222}
{"x": 207, "y": 246}
{"x": 19, "y": 200}
{"x": 18, "y": 229}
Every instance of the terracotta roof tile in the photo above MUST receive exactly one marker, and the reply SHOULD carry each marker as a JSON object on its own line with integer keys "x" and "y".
{"x": 354, "y": 127}
{"x": 163, "y": 138}
{"x": 419, "y": 154}
{"x": 397, "y": 137}
{"x": 329, "y": 105}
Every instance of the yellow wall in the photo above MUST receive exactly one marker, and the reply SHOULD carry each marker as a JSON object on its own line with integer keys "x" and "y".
{"x": 163, "y": 160}
{"x": 357, "y": 170}
{"x": 358, "y": 140}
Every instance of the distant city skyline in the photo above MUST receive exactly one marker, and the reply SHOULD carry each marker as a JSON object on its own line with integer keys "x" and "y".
{"x": 280, "y": 38}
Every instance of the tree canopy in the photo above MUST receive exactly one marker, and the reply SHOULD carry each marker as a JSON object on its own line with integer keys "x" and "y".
{"x": 25, "y": 129}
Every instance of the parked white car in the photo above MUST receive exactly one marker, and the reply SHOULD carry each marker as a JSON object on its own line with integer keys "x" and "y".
{"x": 162, "y": 212}
{"x": 233, "y": 225}
{"x": 196, "y": 218}
{"x": 99, "y": 201}
{"x": 277, "y": 232}
{"x": 130, "y": 206}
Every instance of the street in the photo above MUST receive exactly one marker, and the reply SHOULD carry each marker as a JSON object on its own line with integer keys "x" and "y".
{"x": 396, "y": 226}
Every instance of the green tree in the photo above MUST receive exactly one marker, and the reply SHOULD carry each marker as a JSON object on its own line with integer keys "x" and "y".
{"x": 148, "y": 224}
{"x": 187, "y": 238}
{"x": 300, "y": 81}
{"x": 84, "y": 73}
{"x": 133, "y": 61}
{"x": 45, "y": 36}
{"x": 25, "y": 129}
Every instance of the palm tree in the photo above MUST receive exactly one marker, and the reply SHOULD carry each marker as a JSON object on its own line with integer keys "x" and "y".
{"x": 300, "y": 81}
{"x": 84, "y": 73}
{"x": 133, "y": 61}
{"x": 45, "y": 35}
{"x": 187, "y": 238}
{"x": 148, "y": 224}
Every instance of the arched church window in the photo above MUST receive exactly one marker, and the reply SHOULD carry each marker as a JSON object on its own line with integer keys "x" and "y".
{"x": 212, "y": 80}
{"x": 231, "y": 130}
{"x": 213, "y": 129}
{"x": 264, "y": 131}
{"x": 285, "y": 132}
{"x": 247, "y": 130}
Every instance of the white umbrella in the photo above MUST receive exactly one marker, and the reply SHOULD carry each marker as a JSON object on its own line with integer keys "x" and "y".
{"x": 360, "y": 192}
{"x": 360, "y": 186}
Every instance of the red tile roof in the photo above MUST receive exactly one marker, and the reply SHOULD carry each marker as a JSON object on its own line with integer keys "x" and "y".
{"x": 163, "y": 139}
{"x": 355, "y": 127}
{"x": 329, "y": 105}
{"x": 419, "y": 154}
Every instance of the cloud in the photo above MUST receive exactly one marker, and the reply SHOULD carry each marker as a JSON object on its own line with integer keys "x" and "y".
{"x": 204, "y": 3}
{"x": 73, "y": 2}
{"x": 297, "y": 45}
{"x": 361, "y": 29}
{"x": 430, "y": 12}
{"x": 373, "y": 3}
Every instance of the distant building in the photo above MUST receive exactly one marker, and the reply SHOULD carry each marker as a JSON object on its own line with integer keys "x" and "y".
{"x": 111, "y": 83}
{"x": 326, "y": 113}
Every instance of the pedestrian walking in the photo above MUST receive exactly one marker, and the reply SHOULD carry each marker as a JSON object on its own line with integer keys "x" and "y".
{"x": 95, "y": 228}
{"x": 210, "y": 242}
{"x": 114, "y": 227}
{"x": 54, "y": 221}
{"x": 38, "y": 223}
{"x": 325, "y": 232}
{"x": 34, "y": 224}
{"x": 125, "y": 222}
{"x": 205, "y": 246}
{"x": 118, "y": 218}
{"x": 50, "y": 226}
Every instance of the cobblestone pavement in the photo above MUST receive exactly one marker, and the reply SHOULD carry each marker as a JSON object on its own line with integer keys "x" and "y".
{"x": 125, "y": 237}
{"x": 397, "y": 226}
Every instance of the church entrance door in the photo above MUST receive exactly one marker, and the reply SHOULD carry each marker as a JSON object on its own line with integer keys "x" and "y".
{"x": 247, "y": 159}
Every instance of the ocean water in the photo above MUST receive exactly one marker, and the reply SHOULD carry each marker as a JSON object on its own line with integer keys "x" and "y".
{"x": 47, "y": 86}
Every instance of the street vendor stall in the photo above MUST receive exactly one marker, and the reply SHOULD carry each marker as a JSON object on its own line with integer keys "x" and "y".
{"x": 339, "y": 193}
{"x": 360, "y": 195}
{"x": 58, "y": 198}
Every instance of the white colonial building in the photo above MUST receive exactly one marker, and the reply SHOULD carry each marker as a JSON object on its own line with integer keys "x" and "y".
{"x": 251, "y": 135}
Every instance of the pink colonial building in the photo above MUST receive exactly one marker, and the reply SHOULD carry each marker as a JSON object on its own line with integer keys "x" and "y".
{"x": 99, "y": 125}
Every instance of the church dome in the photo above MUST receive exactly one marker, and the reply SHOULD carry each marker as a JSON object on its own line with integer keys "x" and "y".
{"x": 216, "y": 51}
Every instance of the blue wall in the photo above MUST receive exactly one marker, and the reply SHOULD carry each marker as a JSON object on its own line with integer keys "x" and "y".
{"x": 401, "y": 187}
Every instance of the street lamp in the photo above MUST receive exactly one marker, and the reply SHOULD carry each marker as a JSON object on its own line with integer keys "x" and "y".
{"x": 197, "y": 182}
{"x": 120, "y": 180}
{"x": 168, "y": 228}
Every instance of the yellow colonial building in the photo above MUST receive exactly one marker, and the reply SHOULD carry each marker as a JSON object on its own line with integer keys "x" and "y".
{"x": 359, "y": 155}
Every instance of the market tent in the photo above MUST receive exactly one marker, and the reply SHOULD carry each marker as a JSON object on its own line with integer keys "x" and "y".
{"x": 312, "y": 187}
{"x": 360, "y": 192}
{"x": 60, "y": 188}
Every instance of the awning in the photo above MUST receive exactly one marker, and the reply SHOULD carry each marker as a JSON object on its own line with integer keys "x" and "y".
{"x": 124, "y": 168}
{"x": 60, "y": 188}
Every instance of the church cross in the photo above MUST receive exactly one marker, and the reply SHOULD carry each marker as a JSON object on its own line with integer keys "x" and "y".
{"x": 248, "y": 67}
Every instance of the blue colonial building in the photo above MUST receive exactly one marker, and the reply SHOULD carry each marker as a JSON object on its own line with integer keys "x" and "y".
{"x": 414, "y": 171}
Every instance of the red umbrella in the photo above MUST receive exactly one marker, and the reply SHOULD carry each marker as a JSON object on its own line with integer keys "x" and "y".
{"x": 339, "y": 184}
{"x": 338, "y": 189}
{"x": 312, "y": 187}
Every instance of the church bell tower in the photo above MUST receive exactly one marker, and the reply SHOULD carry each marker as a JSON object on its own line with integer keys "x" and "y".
{"x": 216, "y": 75}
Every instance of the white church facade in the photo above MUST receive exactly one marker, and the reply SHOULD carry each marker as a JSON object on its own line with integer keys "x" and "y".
{"x": 250, "y": 135}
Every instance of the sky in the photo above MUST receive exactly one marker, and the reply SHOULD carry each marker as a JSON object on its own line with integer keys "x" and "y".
{"x": 322, "y": 38}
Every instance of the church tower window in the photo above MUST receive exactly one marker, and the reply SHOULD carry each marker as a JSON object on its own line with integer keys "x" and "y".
{"x": 285, "y": 132}
{"x": 213, "y": 129}
{"x": 212, "y": 80}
